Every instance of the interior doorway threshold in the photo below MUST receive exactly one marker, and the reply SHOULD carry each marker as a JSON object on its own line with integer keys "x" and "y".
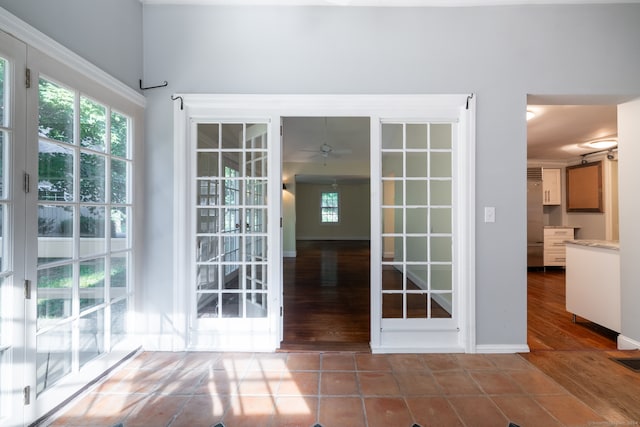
{"x": 324, "y": 347}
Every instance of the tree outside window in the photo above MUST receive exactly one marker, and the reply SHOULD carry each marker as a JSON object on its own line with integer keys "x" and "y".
{"x": 329, "y": 207}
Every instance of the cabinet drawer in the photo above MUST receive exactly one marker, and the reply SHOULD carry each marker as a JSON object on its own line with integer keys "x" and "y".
{"x": 562, "y": 233}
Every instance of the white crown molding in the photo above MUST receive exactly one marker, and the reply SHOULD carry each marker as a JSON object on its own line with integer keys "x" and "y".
{"x": 24, "y": 32}
{"x": 381, "y": 3}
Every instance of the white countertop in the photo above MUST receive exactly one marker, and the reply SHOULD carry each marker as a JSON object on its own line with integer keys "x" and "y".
{"x": 602, "y": 244}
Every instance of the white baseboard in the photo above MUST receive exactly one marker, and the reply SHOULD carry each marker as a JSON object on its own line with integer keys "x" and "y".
{"x": 626, "y": 343}
{"x": 502, "y": 348}
{"x": 289, "y": 254}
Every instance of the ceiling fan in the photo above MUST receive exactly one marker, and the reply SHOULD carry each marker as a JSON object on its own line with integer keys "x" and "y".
{"x": 326, "y": 150}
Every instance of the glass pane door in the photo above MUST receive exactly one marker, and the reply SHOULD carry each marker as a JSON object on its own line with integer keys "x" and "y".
{"x": 84, "y": 245}
{"x": 12, "y": 213}
{"x": 417, "y": 224}
{"x": 230, "y": 217}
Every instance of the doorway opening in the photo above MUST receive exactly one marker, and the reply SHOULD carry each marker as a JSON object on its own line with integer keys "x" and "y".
{"x": 326, "y": 266}
{"x": 562, "y": 133}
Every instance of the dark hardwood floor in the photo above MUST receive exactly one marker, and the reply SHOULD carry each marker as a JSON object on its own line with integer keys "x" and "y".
{"x": 327, "y": 305}
{"x": 327, "y": 296}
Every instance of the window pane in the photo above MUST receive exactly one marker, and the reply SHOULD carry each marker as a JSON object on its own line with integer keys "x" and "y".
{"x": 55, "y": 172}
{"x": 441, "y": 136}
{"x": 91, "y": 344}
{"x": 208, "y": 221}
{"x": 91, "y": 283}
{"x": 256, "y": 136}
{"x": 3, "y": 165}
{"x": 118, "y": 321}
{"x": 256, "y": 165}
{"x": 119, "y": 135}
{"x": 231, "y": 305}
{"x": 118, "y": 181}
{"x": 392, "y": 193}
{"x": 392, "y": 306}
{"x": 256, "y": 305}
{"x": 208, "y": 192}
{"x": 92, "y": 178}
{"x": 393, "y": 249}
{"x": 392, "y": 136}
{"x": 417, "y": 220}
{"x": 3, "y": 91}
{"x": 92, "y": 223}
{"x": 56, "y": 112}
{"x": 392, "y": 278}
{"x": 391, "y": 220}
{"x": 417, "y": 306}
{"x": 207, "y": 277}
{"x": 208, "y": 136}
{"x": 119, "y": 229}
{"x": 417, "y": 164}
{"x": 3, "y": 242}
{"x": 417, "y": 136}
{"x": 207, "y": 305}
{"x": 417, "y": 192}
{"x": 93, "y": 124}
{"x": 441, "y": 165}
{"x": 232, "y": 136}
{"x": 54, "y": 294}
{"x": 441, "y": 249}
{"x": 441, "y": 220}
{"x": 442, "y": 277}
{"x": 417, "y": 249}
{"x": 208, "y": 164}
{"x": 55, "y": 233}
{"x": 440, "y": 193}
{"x": 207, "y": 249}
{"x": 119, "y": 275}
{"x": 440, "y": 304}
{"x": 53, "y": 356}
{"x": 392, "y": 165}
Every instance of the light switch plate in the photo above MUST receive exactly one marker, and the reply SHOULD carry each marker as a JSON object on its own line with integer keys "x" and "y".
{"x": 489, "y": 214}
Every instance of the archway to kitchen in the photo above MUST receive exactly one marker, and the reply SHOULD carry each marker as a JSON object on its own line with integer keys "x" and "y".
{"x": 326, "y": 265}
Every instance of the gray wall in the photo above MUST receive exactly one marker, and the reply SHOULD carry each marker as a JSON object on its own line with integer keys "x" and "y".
{"x": 107, "y": 33}
{"x": 499, "y": 53}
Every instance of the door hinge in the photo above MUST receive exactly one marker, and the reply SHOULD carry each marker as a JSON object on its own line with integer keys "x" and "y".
{"x": 27, "y": 183}
{"x": 27, "y": 395}
{"x": 27, "y": 289}
{"x": 281, "y": 311}
{"x": 280, "y": 222}
{"x": 281, "y": 130}
{"x": 27, "y": 78}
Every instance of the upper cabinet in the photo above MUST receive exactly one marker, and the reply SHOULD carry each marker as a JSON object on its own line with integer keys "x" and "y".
{"x": 551, "y": 187}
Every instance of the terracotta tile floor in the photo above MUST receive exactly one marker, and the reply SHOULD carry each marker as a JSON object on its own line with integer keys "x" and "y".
{"x": 331, "y": 389}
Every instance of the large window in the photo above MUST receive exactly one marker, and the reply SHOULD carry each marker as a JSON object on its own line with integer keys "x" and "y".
{"x": 84, "y": 249}
{"x": 329, "y": 207}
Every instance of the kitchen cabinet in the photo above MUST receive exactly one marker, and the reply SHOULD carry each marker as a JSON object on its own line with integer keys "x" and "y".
{"x": 554, "y": 245}
{"x": 593, "y": 282}
{"x": 551, "y": 187}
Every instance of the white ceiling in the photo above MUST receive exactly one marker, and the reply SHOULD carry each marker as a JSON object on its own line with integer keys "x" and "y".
{"x": 559, "y": 132}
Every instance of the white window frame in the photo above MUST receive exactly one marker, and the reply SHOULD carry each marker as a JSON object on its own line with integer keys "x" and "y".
{"x": 91, "y": 81}
{"x": 337, "y": 208}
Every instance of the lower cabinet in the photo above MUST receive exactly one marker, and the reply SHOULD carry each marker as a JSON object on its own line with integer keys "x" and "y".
{"x": 554, "y": 246}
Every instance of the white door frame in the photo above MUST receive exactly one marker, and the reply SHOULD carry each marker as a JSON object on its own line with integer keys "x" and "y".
{"x": 459, "y": 108}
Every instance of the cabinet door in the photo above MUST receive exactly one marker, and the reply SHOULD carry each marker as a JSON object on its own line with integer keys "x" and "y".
{"x": 551, "y": 187}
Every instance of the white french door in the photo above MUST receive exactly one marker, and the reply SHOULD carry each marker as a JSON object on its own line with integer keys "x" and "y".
{"x": 66, "y": 230}
{"x": 422, "y": 216}
{"x": 231, "y": 303}
{"x": 12, "y": 229}
{"x": 419, "y": 268}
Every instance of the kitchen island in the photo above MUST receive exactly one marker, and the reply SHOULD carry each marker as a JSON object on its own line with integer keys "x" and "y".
{"x": 593, "y": 281}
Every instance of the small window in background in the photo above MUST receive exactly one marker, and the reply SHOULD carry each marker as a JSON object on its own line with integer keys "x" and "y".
{"x": 329, "y": 207}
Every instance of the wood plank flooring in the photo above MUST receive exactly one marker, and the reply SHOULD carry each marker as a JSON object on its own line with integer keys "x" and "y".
{"x": 327, "y": 305}
{"x": 578, "y": 355}
{"x": 327, "y": 296}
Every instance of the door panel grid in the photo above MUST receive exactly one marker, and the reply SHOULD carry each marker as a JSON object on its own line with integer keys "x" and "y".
{"x": 231, "y": 220}
{"x": 416, "y": 215}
